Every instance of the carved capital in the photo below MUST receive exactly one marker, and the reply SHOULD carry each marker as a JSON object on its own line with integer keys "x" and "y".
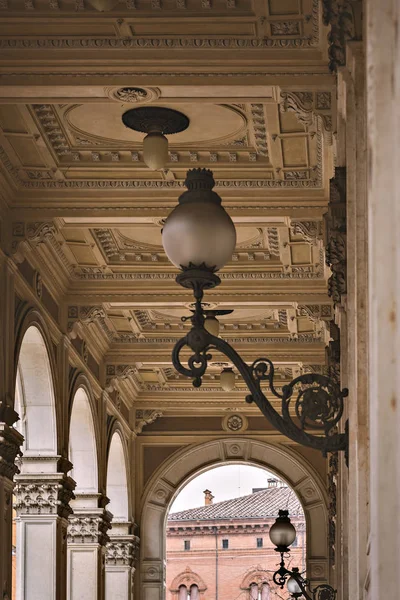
{"x": 335, "y": 221}
{"x": 10, "y": 443}
{"x": 44, "y": 494}
{"x": 89, "y": 528}
{"x": 145, "y": 417}
{"x": 122, "y": 550}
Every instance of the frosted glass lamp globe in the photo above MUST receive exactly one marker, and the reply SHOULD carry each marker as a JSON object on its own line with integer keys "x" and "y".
{"x": 282, "y": 533}
{"x": 155, "y": 151}
{"x": 227, "y": 380}
{"x": 199, "y": 232}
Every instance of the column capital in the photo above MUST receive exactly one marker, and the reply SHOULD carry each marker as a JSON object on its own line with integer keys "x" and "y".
{"x": 44, "y": 494}
{"x": 122, "y": 550}
{"x": 89, "y": 527}
{"x": 10, "y": 443}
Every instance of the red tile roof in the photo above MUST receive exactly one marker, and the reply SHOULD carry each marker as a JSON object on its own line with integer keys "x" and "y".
{"x": 265, "y": 503}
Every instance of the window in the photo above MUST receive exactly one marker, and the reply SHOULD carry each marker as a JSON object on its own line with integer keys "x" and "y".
{"x": 225, "y": 544}
{"x": 186, "y": 544}
{"x": 259, "y": 542}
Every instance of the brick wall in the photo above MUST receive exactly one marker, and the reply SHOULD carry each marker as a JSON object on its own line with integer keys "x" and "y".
{"x": 235, "y": 564}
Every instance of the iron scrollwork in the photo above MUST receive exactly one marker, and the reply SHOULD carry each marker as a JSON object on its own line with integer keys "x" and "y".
{"x": 310, "y": 401}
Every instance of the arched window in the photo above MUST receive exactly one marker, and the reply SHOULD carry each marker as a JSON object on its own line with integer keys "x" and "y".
{"x": 259, "y": 591}
{"x": 194, "y": 592}
{"x": 253, "y": 591}
{"x": 183, "y": 592}
{"x": 265, "y": 591}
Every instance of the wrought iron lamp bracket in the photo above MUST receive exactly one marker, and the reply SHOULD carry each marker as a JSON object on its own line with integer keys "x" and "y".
{"x": 321, "y": 592}
{"x": 310, "y": 401}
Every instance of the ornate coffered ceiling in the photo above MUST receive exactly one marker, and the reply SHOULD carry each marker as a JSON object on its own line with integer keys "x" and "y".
{"x": 80, "y": 207}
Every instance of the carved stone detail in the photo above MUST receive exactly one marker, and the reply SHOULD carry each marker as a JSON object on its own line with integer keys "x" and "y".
{"x": 89, "y": 528}
{"x": 10, "y": 442}
{"x": 259, "y": 129}
{"x": 335, "y": 220}
{"x": 313, "y": 110}
{"x": 333, "y": 353}
{"x": 133, "y": 95}
{"x": 41, "y": 494}
{"x": 122, "y": 550}
{"x": 145, "y": 417}
{"x": 332, "y": 509}
{"x": 310, "y": 230}
{"x": 344, "y": 18}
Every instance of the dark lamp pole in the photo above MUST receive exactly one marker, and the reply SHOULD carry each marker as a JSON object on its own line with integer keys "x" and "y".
{"x": 282, "y": 531}
{"x": 199, "y": 237}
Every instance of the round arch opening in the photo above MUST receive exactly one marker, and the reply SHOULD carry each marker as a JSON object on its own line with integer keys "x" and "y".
{"x": 34, "y": 396}
{"x": 217, "y": 534}
{"x": 184, "y": 465}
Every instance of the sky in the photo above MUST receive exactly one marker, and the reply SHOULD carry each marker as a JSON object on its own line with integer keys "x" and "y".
{"x": 231, "y": 481}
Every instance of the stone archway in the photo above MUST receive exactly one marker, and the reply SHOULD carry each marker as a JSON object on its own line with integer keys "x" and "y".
{"x": 183, "y": 466}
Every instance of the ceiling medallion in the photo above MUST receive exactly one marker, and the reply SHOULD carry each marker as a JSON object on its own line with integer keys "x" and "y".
{"x": 147, "y": 119}
{"x": 134, "y": 95}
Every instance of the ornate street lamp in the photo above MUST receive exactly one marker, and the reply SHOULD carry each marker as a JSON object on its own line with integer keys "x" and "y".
{"x": 199, "y": 238}
{"x": 282, "y": 534}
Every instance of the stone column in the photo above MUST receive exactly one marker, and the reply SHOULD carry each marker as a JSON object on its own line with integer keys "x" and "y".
{"x": 10, "y": 442}
{"x": 42, "y": 508}
{"x": 87, "y": 539}
{"x": 120, "y": 562}
{"x": 383, "y": 97}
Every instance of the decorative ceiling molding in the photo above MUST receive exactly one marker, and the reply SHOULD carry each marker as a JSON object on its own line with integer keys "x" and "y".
{"x": 313, "y": 110}
{"x": 145, "y": 417}
{"x": 345, "y": 20}
{"x": 336, "y": 247}
{"x": 310, "y": 230}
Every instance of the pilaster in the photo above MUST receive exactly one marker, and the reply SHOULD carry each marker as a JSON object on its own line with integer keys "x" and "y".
{"x": 121, "y": 556}
{"x": 42, "y": 508}
{"x": 10, "y": 442}
{"x": 87, "y": 540}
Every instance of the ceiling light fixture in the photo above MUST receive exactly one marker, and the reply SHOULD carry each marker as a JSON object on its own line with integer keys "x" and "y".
{"x": 157, "y": 122}
{"x": 199, "y": 238}
{"x": 282, "y": 534}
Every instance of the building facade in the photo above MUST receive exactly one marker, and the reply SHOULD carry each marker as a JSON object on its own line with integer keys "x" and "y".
{"x": 222, "y": 551}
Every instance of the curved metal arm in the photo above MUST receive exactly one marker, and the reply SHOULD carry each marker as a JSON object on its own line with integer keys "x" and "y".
{"x": 321, "y": 592}
{"x": 317, "y": 400}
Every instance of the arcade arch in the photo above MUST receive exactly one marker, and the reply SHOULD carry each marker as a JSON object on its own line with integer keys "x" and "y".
{"x": 186, "y": 464}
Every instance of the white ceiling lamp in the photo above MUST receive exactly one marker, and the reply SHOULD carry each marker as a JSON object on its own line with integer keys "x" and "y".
{"x": 157, "y": 122}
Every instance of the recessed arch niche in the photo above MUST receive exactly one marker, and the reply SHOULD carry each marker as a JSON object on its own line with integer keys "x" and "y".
{"x": 82, "y": 445}
{"x": 34, "y": 396}
{"x": 186, "y": 464}
{"x": 117, "y": 484}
